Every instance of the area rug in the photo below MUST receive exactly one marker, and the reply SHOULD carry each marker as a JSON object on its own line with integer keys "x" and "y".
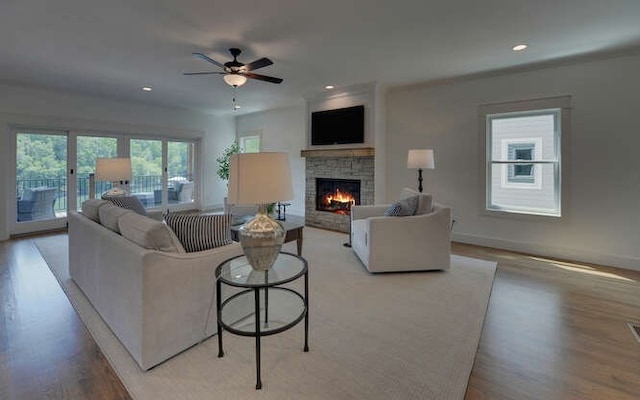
{"x": 384, "y": 336}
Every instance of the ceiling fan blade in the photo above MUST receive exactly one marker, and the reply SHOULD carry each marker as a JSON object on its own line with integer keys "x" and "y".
{"x": 207, "y": 59}
{"x": 203, "y": 73}
{"x": 261, "y": 63}
{"x": 262, "y": 77}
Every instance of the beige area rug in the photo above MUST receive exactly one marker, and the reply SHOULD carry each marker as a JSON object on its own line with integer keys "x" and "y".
{"x": 386, "y": 336}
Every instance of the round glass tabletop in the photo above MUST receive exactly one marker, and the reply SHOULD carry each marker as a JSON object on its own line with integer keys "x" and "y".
{"x": 238, "y": 272}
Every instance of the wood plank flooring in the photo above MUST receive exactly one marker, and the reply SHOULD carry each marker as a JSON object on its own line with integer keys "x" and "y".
{"x": 45, "y": 350}
{"x": 554, "y": 330}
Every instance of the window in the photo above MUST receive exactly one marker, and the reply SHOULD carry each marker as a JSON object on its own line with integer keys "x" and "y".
{"x": 163, "y": 171}
{"x": 521, "y": 175}
{"x": 523, "y": 156}
{"x": 250, "y": 144}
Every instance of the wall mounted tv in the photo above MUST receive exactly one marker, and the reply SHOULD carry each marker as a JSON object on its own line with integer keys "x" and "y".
{"x": 340, "y": 126}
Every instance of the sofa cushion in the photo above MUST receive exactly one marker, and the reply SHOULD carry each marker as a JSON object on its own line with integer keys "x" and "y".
{"x": 198, "y": 232}
{"x": 91, "y": 207}
{"x": 110, "y": 214}
{"x": 425, "y": 200}
{"x": 403, "y": 208}
{"x": 129, "y": 202}
{"x": 148, "y": 233}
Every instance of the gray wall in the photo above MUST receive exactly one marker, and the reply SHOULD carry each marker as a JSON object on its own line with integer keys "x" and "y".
{"x": 282, "y": 129}
{"x": 601, "y": 222}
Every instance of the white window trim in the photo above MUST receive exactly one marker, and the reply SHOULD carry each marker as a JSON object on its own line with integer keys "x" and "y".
{"x": 563, "y": 190}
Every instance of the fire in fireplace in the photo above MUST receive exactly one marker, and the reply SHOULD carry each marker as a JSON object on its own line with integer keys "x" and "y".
{"x": 337, "y": 195}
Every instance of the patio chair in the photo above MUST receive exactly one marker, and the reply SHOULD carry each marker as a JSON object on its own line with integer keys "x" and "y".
{"x": 37, "y": 203}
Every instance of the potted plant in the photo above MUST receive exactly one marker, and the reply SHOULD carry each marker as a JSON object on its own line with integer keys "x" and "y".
{"x": 223, "y": 170}
{"x": 223, "y": 160}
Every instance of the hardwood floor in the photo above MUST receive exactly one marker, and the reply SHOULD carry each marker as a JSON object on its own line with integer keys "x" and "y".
{"x": 554, "y": 330}
{"x": 45, "y": 350}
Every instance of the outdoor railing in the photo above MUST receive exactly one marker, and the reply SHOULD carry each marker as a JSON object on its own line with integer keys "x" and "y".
{"x": 146, "y": 184}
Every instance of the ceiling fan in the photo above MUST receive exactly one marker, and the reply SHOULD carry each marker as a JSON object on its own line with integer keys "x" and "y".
{"x": 236, "y": 73}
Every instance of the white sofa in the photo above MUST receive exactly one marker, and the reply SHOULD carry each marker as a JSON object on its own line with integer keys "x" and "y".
{"x": 409, "y": 243}
{"x": 155, "y": 302}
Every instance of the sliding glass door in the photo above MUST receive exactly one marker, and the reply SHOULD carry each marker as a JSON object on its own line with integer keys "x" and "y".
{"x": 146, "y": 171}
{"x": 52, "y": 171}
{"x": 88, "y": 149}
{"x": 180, "y": 167}
{"x": 41, "y": 180}
{"x": 163, "y": 172}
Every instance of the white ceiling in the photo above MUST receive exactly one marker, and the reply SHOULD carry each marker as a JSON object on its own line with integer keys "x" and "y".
{"x": 113, "y": 47}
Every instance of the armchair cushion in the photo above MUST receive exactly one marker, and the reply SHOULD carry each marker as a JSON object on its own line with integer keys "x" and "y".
{"x": 425, "y": 200}
{"x": 403, "y": 207}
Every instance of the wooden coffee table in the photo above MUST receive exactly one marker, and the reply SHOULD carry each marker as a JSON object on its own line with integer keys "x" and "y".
{"x": 293, "y": 225}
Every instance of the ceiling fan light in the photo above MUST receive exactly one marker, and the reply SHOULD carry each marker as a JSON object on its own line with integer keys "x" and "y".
{"x": 235, "y": 79}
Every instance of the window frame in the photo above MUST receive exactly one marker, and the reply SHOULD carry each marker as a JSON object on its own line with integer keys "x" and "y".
{"x": 558, "y": 105}
{"x": 513, "y": 180}
{"x": 250, "y": 135}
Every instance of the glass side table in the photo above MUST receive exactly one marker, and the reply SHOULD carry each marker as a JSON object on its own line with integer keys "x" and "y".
{"x": 264, "y": 305}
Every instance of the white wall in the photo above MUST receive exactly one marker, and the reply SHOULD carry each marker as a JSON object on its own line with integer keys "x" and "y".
{"x": 38, "y": 108}
{"x": 282, "y": 130}
{"x": 602, "y": 221}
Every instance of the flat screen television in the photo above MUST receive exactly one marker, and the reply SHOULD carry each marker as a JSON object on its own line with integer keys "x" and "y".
{"x": 340, "y": 126}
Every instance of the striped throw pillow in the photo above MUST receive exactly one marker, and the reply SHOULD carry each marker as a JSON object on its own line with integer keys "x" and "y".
{"x": 129, "y": 202}
{"x": 199, "y": 232}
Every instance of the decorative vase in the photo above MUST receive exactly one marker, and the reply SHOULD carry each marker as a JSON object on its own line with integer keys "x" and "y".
{"x": 261, "y": 239}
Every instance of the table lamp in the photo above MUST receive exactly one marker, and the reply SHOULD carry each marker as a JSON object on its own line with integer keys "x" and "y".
{"x": 420, "y": 159}
{"x": 260, "y": 178}
{"x": 116, "y": 170}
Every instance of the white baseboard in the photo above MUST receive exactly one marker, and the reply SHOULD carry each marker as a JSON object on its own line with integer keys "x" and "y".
{"x": 551, "y": 251}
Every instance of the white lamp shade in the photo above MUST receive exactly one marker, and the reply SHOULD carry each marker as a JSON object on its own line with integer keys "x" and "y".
{"x": 421, "y": 159}
{"x": 113, "y": 169}
{"x": 235, "y": 79}
{"x": 259, "y": 178}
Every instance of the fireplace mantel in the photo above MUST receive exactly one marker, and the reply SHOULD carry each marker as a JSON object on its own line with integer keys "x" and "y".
{"x": 351, "y": 152}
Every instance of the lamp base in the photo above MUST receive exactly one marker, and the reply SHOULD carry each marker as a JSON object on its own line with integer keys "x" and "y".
{"x": 115, "y": 191}
{"x": 261, "y": 239}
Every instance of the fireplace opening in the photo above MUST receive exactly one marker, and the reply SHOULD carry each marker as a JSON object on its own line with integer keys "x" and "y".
{"x": 337, "y": 195}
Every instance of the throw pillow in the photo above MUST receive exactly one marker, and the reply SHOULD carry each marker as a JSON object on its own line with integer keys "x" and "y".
{"x": 110, "y": 214}
{"x": 91, "y": 207}
{"x": 425, "y": 200}
{"x": 148, "y": 233}
{"x": 129, "y": 202}
{"x": 403, "y": 208}
{"x": 198, "y": 232}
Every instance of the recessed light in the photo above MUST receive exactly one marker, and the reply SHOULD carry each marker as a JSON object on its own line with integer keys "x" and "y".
{"x": 520, "y": 47}
{"x": 237, "y": 107}
{"x": 329, "y": 87}
{"x": 147, "y": 88}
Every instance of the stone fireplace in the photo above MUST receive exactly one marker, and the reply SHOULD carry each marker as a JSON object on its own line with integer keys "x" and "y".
{"x": 335, "y": 180}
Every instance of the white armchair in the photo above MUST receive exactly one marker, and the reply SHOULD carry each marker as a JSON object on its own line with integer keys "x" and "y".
{"x": 410, "y": 243}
